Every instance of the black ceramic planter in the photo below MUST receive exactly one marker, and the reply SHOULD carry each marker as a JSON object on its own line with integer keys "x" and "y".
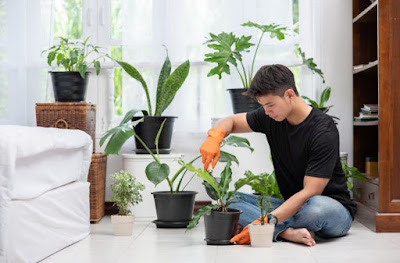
{"x": 174, "y": 210}
{"x": 242, "y": 103}
{"x": 221, "y": 226}
{"x": 69, "y": 86}
{"x": 147, "y": 131}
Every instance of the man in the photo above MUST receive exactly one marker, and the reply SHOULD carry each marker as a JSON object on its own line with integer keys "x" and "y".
{"x": 304, "y": 144}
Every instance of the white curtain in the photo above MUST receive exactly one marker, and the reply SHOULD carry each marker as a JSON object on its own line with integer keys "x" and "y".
{"x": 24, "y": 33}
{"x": 183, "y": 26}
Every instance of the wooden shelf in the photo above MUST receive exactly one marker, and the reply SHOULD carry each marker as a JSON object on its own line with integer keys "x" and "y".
{"x": 368, "y": 15}
{"x": 365, "y": 123}
{"x": 361, "y": 68}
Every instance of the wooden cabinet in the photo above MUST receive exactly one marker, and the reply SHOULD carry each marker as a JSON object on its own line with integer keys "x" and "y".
{"x": 376, "y": 80}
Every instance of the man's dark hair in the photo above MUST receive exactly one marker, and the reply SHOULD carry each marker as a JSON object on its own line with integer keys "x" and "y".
{"x": 272, "y": 80}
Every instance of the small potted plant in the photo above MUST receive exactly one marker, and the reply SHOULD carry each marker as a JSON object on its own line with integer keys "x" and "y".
{"x": 221, "y": 222}
{"x": 228, "y": 49}
{"x": 265, "y": 186}
{"x": 167, "y": 86}
{"x": 126, "y": 191}
{"x": 73, "y": 58}
{"x": 174, "y": 207}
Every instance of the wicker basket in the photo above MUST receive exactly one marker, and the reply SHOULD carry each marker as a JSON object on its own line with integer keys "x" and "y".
{"x": 65, "y": 115}
{"x": 97, "y": 178}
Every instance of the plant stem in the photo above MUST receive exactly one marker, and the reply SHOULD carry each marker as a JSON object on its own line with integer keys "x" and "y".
{"x": 171, "y": 189}
{"x": 241, "y": 77}
{"x": 255, "y": 54}
{"x": 147, "y": 148}
{"x": 245, "y": 76}
{"x": 180, "y": 181}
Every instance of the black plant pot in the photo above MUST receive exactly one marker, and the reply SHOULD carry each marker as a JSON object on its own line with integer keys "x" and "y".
{"x": 147, "y": 131}
{"x": 69, "y": 86}
{"x": 174, "y": 210}
{"x": 242, "y": 103}
{"x": 221, "y": 226}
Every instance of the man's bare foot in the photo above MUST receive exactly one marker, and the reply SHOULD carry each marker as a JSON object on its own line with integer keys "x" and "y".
{"x": 301, "y": 235}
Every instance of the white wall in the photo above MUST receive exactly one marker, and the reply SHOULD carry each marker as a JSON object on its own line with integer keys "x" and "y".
{"x": 337, "y": 64}
{"x": 334, "y": 54}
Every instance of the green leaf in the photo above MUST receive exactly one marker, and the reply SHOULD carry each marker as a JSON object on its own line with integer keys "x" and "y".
{"x": 97, "y": 66}
{"x": 238, "y": 142}
{"x": 118, "y": 136}
{"x": 226, "y": 179}
{"x": 312, "y": 102}
{"x": 275, "y": 30}
{"x": 171, "y": 86}
{"x": 326, "y": 93}
{"x": 205, "y": 176}
{"x": 157, "y": 172}
{"x": 227, "y": 157}
{"x": 309, "y": 62}
{"x": 134, "y": 73}
{"x": 50, "y": 57}
{"x": 129, "y": 115}
{"x": 205, "y": 210}
{"x": 164, "y": 74}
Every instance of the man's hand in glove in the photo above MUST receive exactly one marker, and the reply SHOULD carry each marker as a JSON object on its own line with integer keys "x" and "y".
{"x": 243, "y": 238}
{"x": 210, "y": 149}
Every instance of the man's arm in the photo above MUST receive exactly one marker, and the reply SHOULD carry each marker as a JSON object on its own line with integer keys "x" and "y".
{"x": 234, "y": 124}
{"x": 312, "y": 186}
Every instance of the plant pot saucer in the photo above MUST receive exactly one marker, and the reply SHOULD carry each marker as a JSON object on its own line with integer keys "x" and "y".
{"x": 218, "y": 242}
{"x": 172, "y": 224}
{"x": 161, "y": 151}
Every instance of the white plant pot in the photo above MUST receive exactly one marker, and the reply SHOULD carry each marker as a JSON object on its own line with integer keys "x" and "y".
{"x": 122, "y": 225}
{"x": 261, "y": 235}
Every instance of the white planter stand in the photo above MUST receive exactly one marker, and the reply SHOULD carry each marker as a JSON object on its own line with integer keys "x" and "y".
{"x": 261, "y": 235}
{"x": 136, "y": 165}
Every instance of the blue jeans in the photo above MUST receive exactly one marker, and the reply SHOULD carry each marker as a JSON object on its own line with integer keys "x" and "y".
{"x": 324, "y": 216}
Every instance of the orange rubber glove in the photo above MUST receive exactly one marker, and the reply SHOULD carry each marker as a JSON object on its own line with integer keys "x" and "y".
{"x": 243, "y": 238}
{"x": 210, "y": 149}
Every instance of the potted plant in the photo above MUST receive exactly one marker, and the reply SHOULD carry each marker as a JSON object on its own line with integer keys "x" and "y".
{"x": 126, "y": 193}
{"x": 74, "y": 58}
{"x": 174, "y": 207}
{"x": 167, "y": 86}
{"x": 221, "y": 222}
{"x": 229, "y": 49}
{"x": 265, "y": 186}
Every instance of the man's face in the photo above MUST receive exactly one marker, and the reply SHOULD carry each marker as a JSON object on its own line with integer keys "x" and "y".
{"x": 276, "y": 107}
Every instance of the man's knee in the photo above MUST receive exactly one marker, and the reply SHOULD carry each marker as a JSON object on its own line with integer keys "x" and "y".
{"x": 323, "y": 207}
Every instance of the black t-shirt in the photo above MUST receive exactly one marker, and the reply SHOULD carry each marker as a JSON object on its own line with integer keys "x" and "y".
{"x": 310, "y": 148}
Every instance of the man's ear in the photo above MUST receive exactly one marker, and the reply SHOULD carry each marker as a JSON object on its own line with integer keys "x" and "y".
{"x": 290, "y": 93}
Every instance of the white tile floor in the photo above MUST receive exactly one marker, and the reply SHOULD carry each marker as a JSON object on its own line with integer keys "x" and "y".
{"x": 149, "y": 244}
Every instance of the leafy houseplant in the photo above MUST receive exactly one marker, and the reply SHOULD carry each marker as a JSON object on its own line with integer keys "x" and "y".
{"x": 265, "y": 185}
{"x": 126, "y": 191}
{"x": 229, "y": 49}
{"x": 74, "y": 58}
{"x": 352, "y": 172}
{"x": 174, "y": 207}
{"x": 167, "y": 86}
{"x": 220, "y": 222}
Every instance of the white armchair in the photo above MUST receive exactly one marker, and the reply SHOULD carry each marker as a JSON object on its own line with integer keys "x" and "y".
{"x": 44, "y": 193}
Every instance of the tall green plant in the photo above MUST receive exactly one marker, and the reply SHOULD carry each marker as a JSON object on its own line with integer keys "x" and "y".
{"x": 326, "y": 93}
{"x": 156, "y": 171}
{"x": 352, "y": 172}
{"x": 74, "y": 55}
{"x": 167, "y": 86}
{"x": 228, "y": 50}
{"x": 126, "y": 191}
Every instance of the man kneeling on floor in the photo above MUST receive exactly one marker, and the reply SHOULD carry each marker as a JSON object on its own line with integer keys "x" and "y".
{"x": 304, "y": 144}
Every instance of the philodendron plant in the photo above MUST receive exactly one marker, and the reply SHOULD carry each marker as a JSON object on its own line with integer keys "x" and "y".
{"x": 228, "y": 49}
{"x": 167, "y": 86}
{"x": 220, "y": 190}
{"x": 156, "y": 171}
